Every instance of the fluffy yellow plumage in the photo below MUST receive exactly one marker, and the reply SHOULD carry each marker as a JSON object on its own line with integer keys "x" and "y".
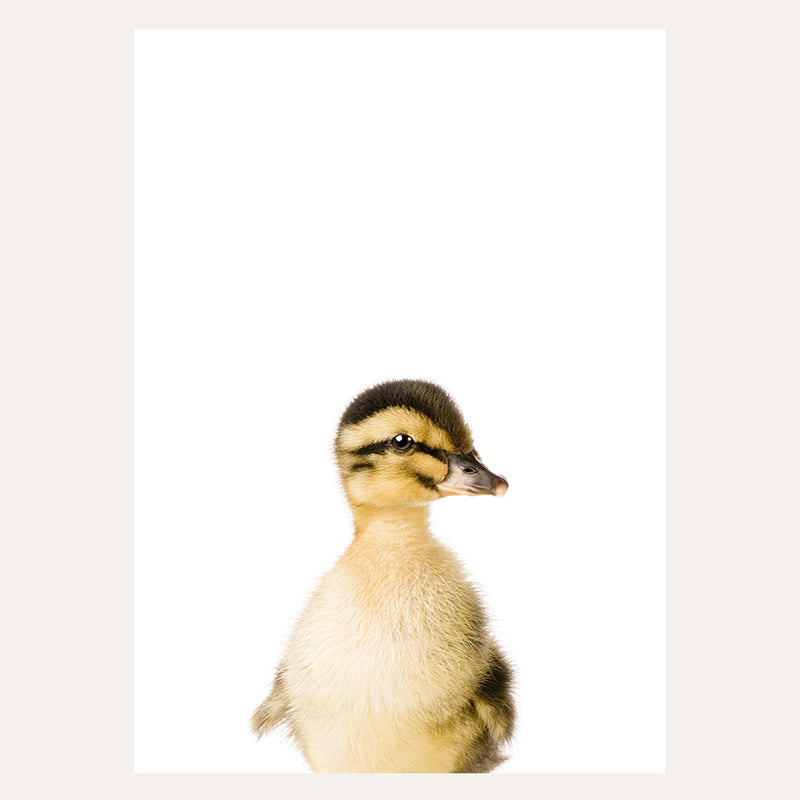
{"x": 390, "y": 667}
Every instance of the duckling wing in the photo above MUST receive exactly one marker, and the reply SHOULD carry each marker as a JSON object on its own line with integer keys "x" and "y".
{"x": 273, "y": 709}
{"x": 493, "y": 707}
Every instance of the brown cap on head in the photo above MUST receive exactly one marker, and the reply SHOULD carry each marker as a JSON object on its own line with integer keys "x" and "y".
{"x": 422, "y": 396}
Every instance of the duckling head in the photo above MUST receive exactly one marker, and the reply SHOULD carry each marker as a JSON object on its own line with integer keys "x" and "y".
{"x": 405, "y": 443}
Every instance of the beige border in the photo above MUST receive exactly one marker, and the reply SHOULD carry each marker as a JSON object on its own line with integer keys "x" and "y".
{"x": 732, "y": 395}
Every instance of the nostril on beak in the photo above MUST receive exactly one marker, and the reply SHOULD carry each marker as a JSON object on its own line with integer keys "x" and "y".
{"x": 469, "y": 470}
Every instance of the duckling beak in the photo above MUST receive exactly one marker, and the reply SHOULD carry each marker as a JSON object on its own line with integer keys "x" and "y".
{"x": 466, "y": 475}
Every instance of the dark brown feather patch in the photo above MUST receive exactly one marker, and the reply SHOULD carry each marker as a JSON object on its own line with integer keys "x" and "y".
{"x": 422, "y": 396}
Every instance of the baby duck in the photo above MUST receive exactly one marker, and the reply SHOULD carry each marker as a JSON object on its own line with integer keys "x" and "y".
{"x": 391, "y": 667}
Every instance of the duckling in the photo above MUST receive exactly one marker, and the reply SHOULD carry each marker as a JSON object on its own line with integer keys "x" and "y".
{"x": 391, "y": 667}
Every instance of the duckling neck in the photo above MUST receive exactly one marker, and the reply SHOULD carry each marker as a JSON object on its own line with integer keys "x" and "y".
{"x": 399, "y": 522}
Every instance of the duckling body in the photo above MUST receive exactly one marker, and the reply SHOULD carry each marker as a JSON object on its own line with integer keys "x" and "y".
{"x": 391, "y": 667}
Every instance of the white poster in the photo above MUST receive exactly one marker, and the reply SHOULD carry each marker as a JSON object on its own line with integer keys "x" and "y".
{"x": 318, "y": 211}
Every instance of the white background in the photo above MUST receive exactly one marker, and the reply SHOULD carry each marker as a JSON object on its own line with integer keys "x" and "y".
{"x": 316, "y": 211}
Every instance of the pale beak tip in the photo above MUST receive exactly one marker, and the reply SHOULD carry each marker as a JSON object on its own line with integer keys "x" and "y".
{"x": 500, "y": 487}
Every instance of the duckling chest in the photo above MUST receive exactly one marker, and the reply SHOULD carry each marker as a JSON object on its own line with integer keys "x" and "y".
{"x": 407, "y": 625}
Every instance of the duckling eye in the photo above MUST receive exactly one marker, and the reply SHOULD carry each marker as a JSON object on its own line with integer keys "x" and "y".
{"x": 402, "y": 443}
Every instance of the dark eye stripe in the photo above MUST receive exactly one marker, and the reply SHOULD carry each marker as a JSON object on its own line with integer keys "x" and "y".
{"x": 432, "y": 451}
{"x": 360, "y": 465}
{"x": 382, "y": 447}
{"x": 370, "y": 449}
